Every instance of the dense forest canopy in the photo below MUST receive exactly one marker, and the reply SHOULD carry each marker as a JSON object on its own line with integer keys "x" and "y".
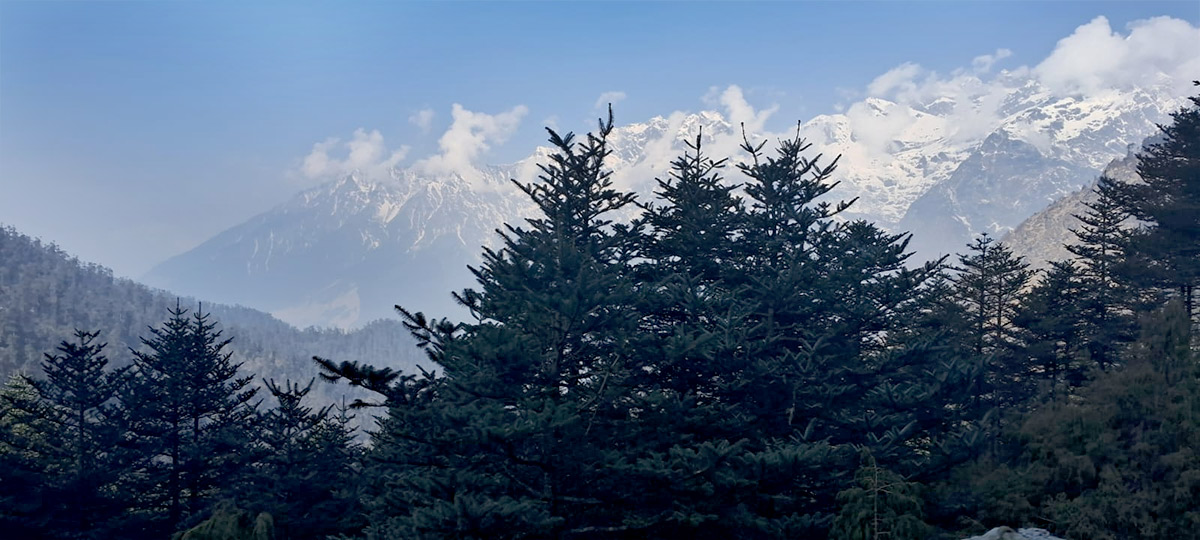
{"x": 736, "y": 362}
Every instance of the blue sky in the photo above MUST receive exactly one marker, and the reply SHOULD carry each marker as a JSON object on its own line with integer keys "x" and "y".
{"x": 131, "y": 131}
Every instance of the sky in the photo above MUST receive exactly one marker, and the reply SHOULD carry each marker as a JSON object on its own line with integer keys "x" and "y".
{"x": 133, "y": 131}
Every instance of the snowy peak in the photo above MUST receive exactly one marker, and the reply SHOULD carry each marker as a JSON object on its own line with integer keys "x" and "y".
{"x": 945, "y": 167}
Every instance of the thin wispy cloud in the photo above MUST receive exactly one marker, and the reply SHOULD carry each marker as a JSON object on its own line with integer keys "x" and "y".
{"x": 423, "y": 119}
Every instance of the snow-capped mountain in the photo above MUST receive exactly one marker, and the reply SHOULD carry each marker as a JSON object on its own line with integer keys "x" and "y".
{"x": 1045, "y": 148}
{"x": 343, "y": 253}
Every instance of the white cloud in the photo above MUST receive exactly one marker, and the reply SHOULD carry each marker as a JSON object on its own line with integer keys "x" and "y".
{"x": 470, "y": 135}
{"x": 1096, "y": 58}
{"x": 898, "y": 79}
{"x": 611, "y": 97}
{"x": 983, "y": 63}
{"x": 739, "y": 111}
{"x": 423, "y": 119}
{"x": 366, "y": 153}
{"x": 1093, "y": 59}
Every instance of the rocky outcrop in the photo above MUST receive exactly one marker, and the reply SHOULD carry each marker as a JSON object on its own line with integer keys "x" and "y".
{"x": 1007, "y": 533}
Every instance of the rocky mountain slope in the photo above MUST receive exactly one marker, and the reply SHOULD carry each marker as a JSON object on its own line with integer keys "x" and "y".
{"x": 1043, "y": 236}
{"x": 1045, "y": 149}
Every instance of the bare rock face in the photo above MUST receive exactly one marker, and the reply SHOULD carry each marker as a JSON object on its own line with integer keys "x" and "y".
{"x": 1007, "y": 533}
{"x": 1043, "y": 237}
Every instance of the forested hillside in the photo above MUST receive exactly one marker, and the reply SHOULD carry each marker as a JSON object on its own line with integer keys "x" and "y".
{"x": 737, "y": 362}
{"x": 45, "y": 294}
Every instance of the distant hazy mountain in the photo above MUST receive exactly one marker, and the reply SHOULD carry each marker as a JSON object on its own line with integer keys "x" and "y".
{"x": 346, "y": 251}
{"x": 343, "y": 253}
{"x": 45, "y": 294}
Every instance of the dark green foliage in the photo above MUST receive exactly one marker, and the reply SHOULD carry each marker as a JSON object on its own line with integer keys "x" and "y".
{"x": 988, "y": 284}
{"x": 305, "y": 475}
{"x": 187, "y": 416}
{"x": 1105, "y": 298}
{"x": 531, "y": 415}
{"x": 1168, "y": 200}
{"x": 1052, "y": 318}
{"x": 229, "y": 522}
{"x": 882, "y": 505}
{"x": 75, "y": 400}
{"x": 825, "y": 302}
{"x": 701, "y": 373}
{"x": 1119, "y": 461}
{"x": 25, "y": 462}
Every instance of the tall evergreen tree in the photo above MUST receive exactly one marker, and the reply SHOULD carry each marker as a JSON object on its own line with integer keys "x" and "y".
{"x": 1051, "y": 317}
{"x": 25, "y": 451}
{"x": 1168, "y": 200}
{"x": 698, "y": 391}
{"x": 76, "y": 398}
{"x": 689, "y": 254}
{"x": 988, "y": 283}
{"x": 533, "y": 406}
{"x": 187, "y": 414}
{"x": 304, "y": 478}
{"x": 1102, "y": 243}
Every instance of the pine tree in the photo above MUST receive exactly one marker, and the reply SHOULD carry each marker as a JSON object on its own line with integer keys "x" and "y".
{"x": 304, "y": 478}
{"x": 697, "y": 399}
{"x": 988, "y": 283}
{"x": 76, "y": 398}
{"x": 689, "y": 252}
{"x": 531, "y": 410}
{"x": 1101, "y": 246}
{"x": 24, "y": 461}
{"x": 1052, "y": 318}
{"x": 1168, "y": 200}
{"x": 187, "y": 414}
{"x": 883, "y": 505}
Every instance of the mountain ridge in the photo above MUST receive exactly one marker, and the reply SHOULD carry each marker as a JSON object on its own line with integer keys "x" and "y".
{"x": 344, "y": 252}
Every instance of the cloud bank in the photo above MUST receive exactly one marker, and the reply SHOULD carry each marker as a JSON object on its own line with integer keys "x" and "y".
{"x": 1094, "y": 58}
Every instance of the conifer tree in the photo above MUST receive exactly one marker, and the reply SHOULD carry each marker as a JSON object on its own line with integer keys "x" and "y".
{"x": 988, "y": 283}
{"x": 698, "y": 394}
{"x": 883, "y": 505}
{"x": 76, "y": 398}
{"x": 1051, "y": 316}
{"x": 828, "y": 302}
{"x": 690, "y": 253}
{"x": 1101, "y": 246}
{"x": 187, "y": 414}
{"x": 24, "y": 461}
{"x": 304, "y": 478}
{"x": 532, "y": 408}
{"x": 1168, "y": 200}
